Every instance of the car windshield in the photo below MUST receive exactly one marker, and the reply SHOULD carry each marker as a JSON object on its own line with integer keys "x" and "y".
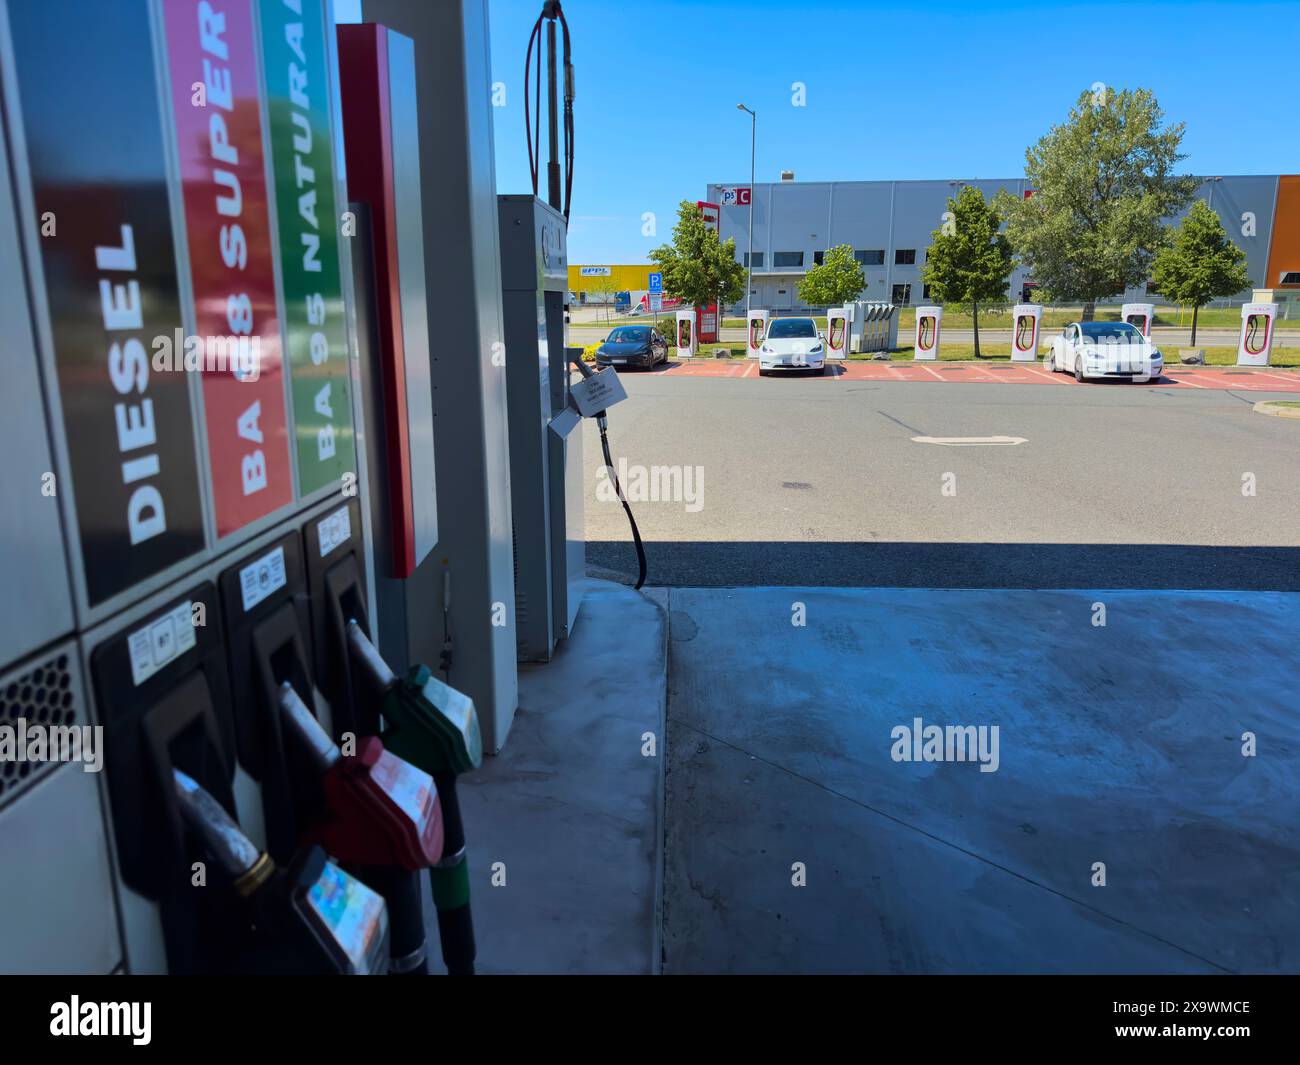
{"x": 785, "y": 328}
{"x": 1109, "y": 330}
{"x": 638, "y": 334}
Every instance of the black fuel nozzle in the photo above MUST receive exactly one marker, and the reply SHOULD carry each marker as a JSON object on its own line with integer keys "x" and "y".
{"x": 246, "y": 866}
{"x": 314, "y": 741}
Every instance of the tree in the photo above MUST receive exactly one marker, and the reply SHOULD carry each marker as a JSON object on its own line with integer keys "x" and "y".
{"x": 1201, "y": 264}
{"x": 1103, "y": 184}
{"x": 969, "y": 261}
{"x": 697, "y": 267}
{"x": 837, "y": 280}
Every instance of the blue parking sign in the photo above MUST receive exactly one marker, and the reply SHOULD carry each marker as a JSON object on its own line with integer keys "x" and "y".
{"x": 656, "y": 282}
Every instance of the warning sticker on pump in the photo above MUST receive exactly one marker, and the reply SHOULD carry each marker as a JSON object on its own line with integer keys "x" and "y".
{"x": 598, "y": 392}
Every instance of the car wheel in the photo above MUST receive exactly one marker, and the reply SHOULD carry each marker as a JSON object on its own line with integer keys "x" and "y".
{"x": 1078, "y": 368}
{"x": 1050, "y": 362}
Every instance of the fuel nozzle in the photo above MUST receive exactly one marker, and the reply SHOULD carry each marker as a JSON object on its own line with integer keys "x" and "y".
{"x": 430, "y": 724}
{"x": 247, "y": 867}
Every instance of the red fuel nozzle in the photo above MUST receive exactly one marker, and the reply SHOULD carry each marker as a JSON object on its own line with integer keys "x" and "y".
{"x": 379, "y": 810}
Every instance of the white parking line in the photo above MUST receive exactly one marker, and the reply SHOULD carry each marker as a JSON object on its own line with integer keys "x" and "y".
{"x": 970, "y": 441}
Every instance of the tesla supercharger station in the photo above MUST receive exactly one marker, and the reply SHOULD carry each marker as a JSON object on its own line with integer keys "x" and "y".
{"x": 1141, "y": 315}
{"x": 1025, "y": 320}
{"x": 212, "y": 499}
{"x": 1258, "y": 321}
{"x": 687, "y": 341}
{"x": 928, "y": 321}
{"x": 757, "y": 332}
{"x": 837, "y": 332}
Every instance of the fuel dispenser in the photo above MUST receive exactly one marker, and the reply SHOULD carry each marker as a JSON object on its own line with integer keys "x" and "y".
{"x": 545, "y": 453}
{"x": 928, "y": 321}
{"x": 838, "y": 321}
{"x": 1025, "y": 320}
{"x": 213, "y": 518}
{"x": 687, "y": 342}
{"x": 757, "y": 331}
{"x": 1255, "y": 344}
{"x": 311, "y": 918}
{"x": 1142, "y": 315}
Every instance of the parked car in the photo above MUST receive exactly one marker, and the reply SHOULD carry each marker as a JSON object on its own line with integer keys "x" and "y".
{"x": 1098, "y": 350}
{"x": 792, "y": 344}
{"x": 633, "y": 345}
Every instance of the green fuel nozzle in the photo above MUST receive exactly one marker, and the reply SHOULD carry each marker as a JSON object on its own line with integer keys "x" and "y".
{"x": 430, "y": 724}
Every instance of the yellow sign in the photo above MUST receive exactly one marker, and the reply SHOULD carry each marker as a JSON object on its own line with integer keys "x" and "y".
{"x": 606, "y": 277}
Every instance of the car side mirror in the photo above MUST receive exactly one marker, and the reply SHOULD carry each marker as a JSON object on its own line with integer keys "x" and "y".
{"x": 821, "y": 335}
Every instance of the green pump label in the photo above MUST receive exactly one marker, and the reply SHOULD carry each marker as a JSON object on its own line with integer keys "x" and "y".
{"x": 298, "y": 95}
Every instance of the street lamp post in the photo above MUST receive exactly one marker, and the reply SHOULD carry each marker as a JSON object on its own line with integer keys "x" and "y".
{"x": 749, "y": 255}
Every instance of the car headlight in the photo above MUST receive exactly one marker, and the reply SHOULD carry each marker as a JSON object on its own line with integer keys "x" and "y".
{"x": 815, "y": 349}
{"x": 765, "y": 350}
{"x": 1156, "y": 356}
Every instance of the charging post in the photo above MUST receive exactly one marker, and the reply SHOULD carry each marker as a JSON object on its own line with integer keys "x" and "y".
{"x": 756, "y": 331}
{"x": 1140, "y": 315}
{"x": 1255, "y": 344}
{"x": 926, "y": 343}
{"x": 838, "y": 321}
{"x": 1025, "y": 320}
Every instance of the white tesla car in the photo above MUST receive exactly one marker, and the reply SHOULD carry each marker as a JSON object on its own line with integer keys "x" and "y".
{"x": 792, "y": 344}
{"x": 1096, "y": 350}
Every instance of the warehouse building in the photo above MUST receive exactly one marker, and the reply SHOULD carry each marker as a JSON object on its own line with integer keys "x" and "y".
{"x": 889, "y": 225}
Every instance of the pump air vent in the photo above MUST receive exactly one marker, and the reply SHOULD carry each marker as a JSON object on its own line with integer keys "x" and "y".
{"x": 45, "y": 692}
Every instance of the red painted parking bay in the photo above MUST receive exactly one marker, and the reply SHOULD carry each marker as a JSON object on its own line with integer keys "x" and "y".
{"x": 1003, "y": 373}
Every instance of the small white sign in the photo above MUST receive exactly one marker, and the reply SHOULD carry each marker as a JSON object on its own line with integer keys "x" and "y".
{"x": 164, "y": 639}
{"x": 598, "y": 392}
{"x": 594, "y": 271}
{"x": 261, "y": 577}
{"x": 334, "y": 530}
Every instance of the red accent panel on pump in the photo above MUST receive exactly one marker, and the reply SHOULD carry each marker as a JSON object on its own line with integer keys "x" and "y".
{"x": 363, "y": 77}
{"x": 216, "y": 108}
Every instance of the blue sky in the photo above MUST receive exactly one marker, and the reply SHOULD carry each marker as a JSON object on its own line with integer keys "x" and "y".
{"x": 915, "y": 90}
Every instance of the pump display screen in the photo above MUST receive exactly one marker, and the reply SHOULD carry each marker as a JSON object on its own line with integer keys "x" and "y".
{"x": 351, "y": 913}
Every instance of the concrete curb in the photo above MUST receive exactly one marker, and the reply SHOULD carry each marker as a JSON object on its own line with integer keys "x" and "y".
{"x": 1271, "y": 407}
{"x": 662, "y": 598}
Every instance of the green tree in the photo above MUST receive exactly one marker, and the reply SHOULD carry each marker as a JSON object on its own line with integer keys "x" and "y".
{"x": 1201, "y": 264}
{"x": 1103, "y": 184}
{"x": 697, "y": 267}
{"x": 969, "y": 261}
{"x": 837, "y": 280}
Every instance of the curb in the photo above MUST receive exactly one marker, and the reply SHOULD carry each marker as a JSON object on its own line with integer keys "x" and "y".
{"x": 1271, "y": 407}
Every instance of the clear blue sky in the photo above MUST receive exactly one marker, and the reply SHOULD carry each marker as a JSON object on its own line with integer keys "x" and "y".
{"x": 896, "y": 90}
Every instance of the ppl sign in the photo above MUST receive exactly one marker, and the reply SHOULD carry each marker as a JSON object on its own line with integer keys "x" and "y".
{"x": 737, "y": 197}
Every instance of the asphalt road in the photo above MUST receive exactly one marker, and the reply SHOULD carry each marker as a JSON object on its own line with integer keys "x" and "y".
{"x": 819, "y": 482}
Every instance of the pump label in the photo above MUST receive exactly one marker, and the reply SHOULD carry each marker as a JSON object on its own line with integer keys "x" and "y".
{"x": 410, "y": 788}
{"x": 334, "y": 531}
{"x": 261, "y": 578}
{"x": 99, "y": 187}
{"x": 350, "y": 910}
{"x": 161, "y": 642}
{"x": 298, "y": 102}
{"x": 217, "y": 113}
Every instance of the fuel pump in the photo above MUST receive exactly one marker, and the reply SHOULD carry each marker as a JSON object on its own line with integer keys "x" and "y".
{"x": 927, "y": 333}
{"x": 1141, "y": 315}
{"x": 1255, "y": 344}
{"x": 687, "y": 342}
{"x": 1025, "y": 319}
{"x": 757, "y": 332}
{"x": 434, "y": 727}
{"x": 311, "y": 918}
{"x": 837, "y": 332}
